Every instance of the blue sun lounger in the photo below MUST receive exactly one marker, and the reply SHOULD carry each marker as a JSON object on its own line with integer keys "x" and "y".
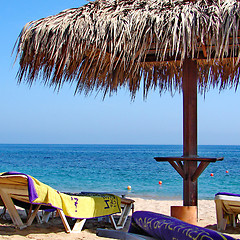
{"x": 149, "y": 226}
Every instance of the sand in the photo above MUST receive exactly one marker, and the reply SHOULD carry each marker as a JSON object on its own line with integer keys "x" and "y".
{"x": 55, "y": 230}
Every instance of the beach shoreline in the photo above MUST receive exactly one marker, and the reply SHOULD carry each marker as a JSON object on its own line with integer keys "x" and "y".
{"x": 55, "y": 230}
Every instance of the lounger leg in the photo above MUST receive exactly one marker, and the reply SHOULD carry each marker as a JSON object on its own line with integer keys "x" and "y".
{"x": 4, "y": 212}
{"x": 64, "y": 220}
{"x": 46, "y": 216}
{"x": 28, "y": 211}
{"x": 233, "y": 219}
{"x": 17, "y": 221}
{"x": 38, "y": 218}
{"x": 78, "y": 225}
{"x": 123, "y": 218}
{"x": 221, "y": 221}
{"x": 114, "y": 223}
{"x": 33, "y": 215}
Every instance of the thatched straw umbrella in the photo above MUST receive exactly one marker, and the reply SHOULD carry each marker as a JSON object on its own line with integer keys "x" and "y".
{"x": 167, "y": 45}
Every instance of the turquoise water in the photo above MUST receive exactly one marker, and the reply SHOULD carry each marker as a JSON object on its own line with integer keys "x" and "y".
{"x": 111, "y": 168}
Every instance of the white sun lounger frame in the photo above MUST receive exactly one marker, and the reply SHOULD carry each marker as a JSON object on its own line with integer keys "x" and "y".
{"x": 227, "y": 208}
{"x": 8, "y": 191}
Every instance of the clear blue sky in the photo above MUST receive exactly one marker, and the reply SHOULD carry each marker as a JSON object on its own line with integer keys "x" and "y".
{"x": 40, "y": 115}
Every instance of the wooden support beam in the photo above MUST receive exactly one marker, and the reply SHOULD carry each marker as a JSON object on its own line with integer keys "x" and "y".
{"x": 204, "y": 50}
{"x": 189, "y": 83}
{"x": 201, "y": 167}
{"x": 178, "y": 169}
{"x": 152, "y": 58}
{"x": 176, "y": 162}
{"x": 179, "y": 163}
{"x": 192, "y": 158}
{"x": 178, "y": 166}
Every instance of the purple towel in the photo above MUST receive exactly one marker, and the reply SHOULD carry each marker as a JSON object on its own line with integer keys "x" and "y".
{"x": 166, "y": 228}
{"x": 31, "y": 189}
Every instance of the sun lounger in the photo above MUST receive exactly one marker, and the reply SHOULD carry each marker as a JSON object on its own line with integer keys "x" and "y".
{"x": 149, "y": 225}
{"x": 127, "y": 205}
{"x": 161, "y": 226}
{"x": 227, "y": 209}
{"x": 28, "y": 192}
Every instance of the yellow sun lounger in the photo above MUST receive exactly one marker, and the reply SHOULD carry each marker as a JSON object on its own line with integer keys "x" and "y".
{"x": 18, "y": 188}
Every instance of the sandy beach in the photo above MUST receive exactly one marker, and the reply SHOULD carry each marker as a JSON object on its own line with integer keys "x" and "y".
{"x": 55, "y": 230}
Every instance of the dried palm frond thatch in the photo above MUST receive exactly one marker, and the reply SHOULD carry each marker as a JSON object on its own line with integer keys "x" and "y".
{"x": 109, "y": 44}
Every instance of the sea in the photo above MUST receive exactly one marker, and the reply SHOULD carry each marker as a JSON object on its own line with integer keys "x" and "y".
{"x": 112, "y": 168}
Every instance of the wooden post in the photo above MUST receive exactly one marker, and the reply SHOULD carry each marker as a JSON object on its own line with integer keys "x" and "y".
{"x": 189, "y": 170}
{"x": 189, "y": 130}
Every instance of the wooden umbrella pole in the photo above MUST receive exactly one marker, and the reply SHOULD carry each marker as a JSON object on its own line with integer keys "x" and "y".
{"x": 189, "y": 170}
{"x": 189, "y": 130}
